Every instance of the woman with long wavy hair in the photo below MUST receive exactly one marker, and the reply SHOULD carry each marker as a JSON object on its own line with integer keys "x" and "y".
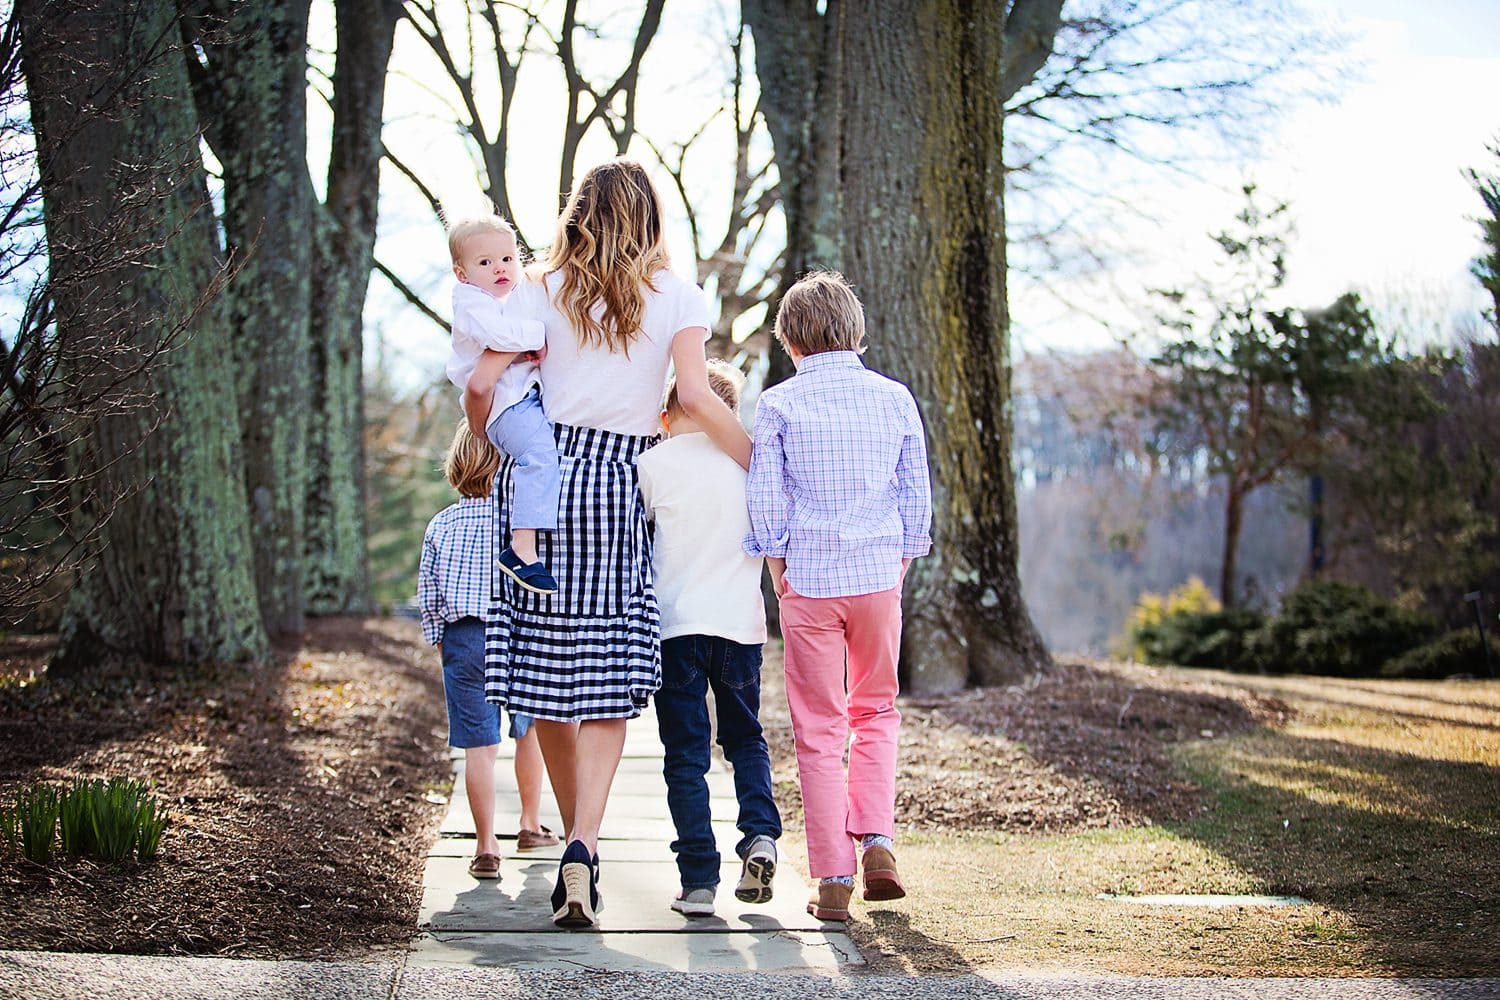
{"x": 585, "y": 660}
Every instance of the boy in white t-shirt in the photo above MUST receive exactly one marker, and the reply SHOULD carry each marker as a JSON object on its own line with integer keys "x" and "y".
{"x": 713, "y": 623}
{"x": 493, "y": 359}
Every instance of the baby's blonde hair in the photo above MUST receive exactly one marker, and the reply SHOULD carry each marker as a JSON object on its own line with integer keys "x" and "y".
{"x": 462, "y": 228}
{"x": 723, "y": 378}
{"x": 471, "y": 463}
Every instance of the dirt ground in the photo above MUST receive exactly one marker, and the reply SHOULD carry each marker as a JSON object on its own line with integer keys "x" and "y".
{"x": 297, "y": 793}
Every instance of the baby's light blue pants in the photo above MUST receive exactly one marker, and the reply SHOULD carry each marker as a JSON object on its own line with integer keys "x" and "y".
{"x": 523, "y": 432}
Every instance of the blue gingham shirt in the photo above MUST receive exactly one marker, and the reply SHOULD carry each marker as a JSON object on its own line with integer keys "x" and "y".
{"x": 838, "y": 481}
{"x": 453, "y": 579}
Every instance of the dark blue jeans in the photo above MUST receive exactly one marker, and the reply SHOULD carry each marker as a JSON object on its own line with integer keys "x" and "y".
{"x": 690, "y": 665}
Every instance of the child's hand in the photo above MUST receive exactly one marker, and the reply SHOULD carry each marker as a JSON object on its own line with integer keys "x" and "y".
{"x": 778, "y": 576}
{"x": 531, "y": 356}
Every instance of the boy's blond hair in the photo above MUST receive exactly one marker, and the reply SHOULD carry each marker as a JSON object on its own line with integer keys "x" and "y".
{"x": 461, "y": 229}
{"x": 471, "y": 463}
{"x": 723, "y": 378}
{"x": 820, "y": 313}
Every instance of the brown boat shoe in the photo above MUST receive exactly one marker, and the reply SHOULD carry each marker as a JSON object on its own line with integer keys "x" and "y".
{"x": 531, "y": 840}
{"x": 830, "y": 901}
{"x": 485, "y": 866}
{"x": 881, "y": 878}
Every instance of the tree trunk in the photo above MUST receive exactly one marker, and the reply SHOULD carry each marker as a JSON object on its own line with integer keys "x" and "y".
{"x": 133, "y": 257}
{"x": 799, "y": 57}
{"x": 914, "y": 184}
{"x": 256, "y": 116}
{"x": 1234, "y": 516}
{"x": 1317, "y": 556}
{"x": 338, "y": 579}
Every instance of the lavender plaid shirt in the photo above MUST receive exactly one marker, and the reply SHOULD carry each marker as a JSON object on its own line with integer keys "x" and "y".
{"x": 453, "y": 580}
{"x": 838, "y": 479}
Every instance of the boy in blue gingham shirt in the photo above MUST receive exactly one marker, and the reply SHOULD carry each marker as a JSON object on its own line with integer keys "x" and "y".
{"x": 453, "y": 590}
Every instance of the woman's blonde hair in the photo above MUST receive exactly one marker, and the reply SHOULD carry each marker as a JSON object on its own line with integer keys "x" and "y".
{"x": 609, "y": 244}
{"x": 471, "y": 463}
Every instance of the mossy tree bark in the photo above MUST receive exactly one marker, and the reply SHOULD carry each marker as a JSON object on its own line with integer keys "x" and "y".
{"x": 134, "y": 261}
{"x": 337, "y": 567}
{"x": 919, "y": 227}
{"x": 251, "y": 91}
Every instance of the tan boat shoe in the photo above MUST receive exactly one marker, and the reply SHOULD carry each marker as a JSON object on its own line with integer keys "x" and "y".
{"x": 485, "y": 866}
{"x": 830, "y": 901}
{"x": 531, "y": 840}
{"x": 881, "y": 879}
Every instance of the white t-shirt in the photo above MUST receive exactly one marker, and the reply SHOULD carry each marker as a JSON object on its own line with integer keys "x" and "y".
{"x": 592, "y": 386}
{"x": 705, "y": 582}
{"x": 481, "y": 321}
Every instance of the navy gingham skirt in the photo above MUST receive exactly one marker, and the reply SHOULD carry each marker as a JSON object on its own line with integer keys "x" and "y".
{"x": 593, "y": 649}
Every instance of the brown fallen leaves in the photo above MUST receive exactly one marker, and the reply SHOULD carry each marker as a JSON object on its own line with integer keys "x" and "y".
{"x": 1081, "y": 746}
{"x": 296, "y": 789}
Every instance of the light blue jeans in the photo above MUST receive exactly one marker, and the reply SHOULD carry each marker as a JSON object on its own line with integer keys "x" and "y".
{"x": 523, "y": 432}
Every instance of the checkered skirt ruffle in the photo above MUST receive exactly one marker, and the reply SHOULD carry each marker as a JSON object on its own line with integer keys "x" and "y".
{"x": 592, "y": 650}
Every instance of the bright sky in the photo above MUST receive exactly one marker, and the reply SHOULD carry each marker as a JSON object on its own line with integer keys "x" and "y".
{"x": 1374, "y": 183}
{"x": 1374, "y": 180}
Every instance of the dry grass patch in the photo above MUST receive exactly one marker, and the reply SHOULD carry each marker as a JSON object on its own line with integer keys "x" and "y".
{"x": 1377, "y": 800}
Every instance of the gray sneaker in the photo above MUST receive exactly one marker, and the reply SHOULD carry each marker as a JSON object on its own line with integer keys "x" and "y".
{"x": 694, "y": 903}
{"x": 757, "y": 872}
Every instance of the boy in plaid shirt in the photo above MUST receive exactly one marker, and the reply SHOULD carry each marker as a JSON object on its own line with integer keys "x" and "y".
{"x": 453, "y": 589}
{"x": 839, "y": 505}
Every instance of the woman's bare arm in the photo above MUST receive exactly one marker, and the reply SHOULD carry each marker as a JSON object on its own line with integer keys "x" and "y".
{"x": 700, "y": 402}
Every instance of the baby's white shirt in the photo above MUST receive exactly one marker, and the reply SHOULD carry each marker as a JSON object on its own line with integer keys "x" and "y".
{"x": 705, "y": 583}
{"x": 480, "y": 322}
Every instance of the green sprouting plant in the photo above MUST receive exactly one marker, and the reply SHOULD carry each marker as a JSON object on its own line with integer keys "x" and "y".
{"x": 115, "y": 813}
{"x": 152, "y": 823}
{"x": 107, "y": 820}
{"x": 36, "y": 817}
{"x": 76, "y": 819}
{"x": 8, "y": 830}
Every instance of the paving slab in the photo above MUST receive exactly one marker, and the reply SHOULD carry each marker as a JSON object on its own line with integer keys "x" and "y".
{"x": 616, "y": 826}
{"x": 799, "y": 952}
{"x": 638, "y": 780}
{"x": 506, "y": 924}
{"x": 615, "y": 850}
{"x": 1209, "y": 901}
{"x": 642, "y": 760}
{"x": 636, "y": 898}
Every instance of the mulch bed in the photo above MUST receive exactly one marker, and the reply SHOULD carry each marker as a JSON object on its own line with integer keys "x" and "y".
{"x": 1083, "y": 745}
{"x": 297, "y": 790}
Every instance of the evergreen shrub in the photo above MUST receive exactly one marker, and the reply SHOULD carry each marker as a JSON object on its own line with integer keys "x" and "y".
{"x": 1337, "y": 629}
{"x": 1219, "y": 639}
{"x": 1458, "y": 652}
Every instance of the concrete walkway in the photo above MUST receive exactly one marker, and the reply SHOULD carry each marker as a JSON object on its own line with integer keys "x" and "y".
{"x": 130, "y": 977}
{"x": 508, "y": 923}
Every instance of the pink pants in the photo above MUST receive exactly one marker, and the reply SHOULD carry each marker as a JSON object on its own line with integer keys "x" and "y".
{"x": 818, "y": 631}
